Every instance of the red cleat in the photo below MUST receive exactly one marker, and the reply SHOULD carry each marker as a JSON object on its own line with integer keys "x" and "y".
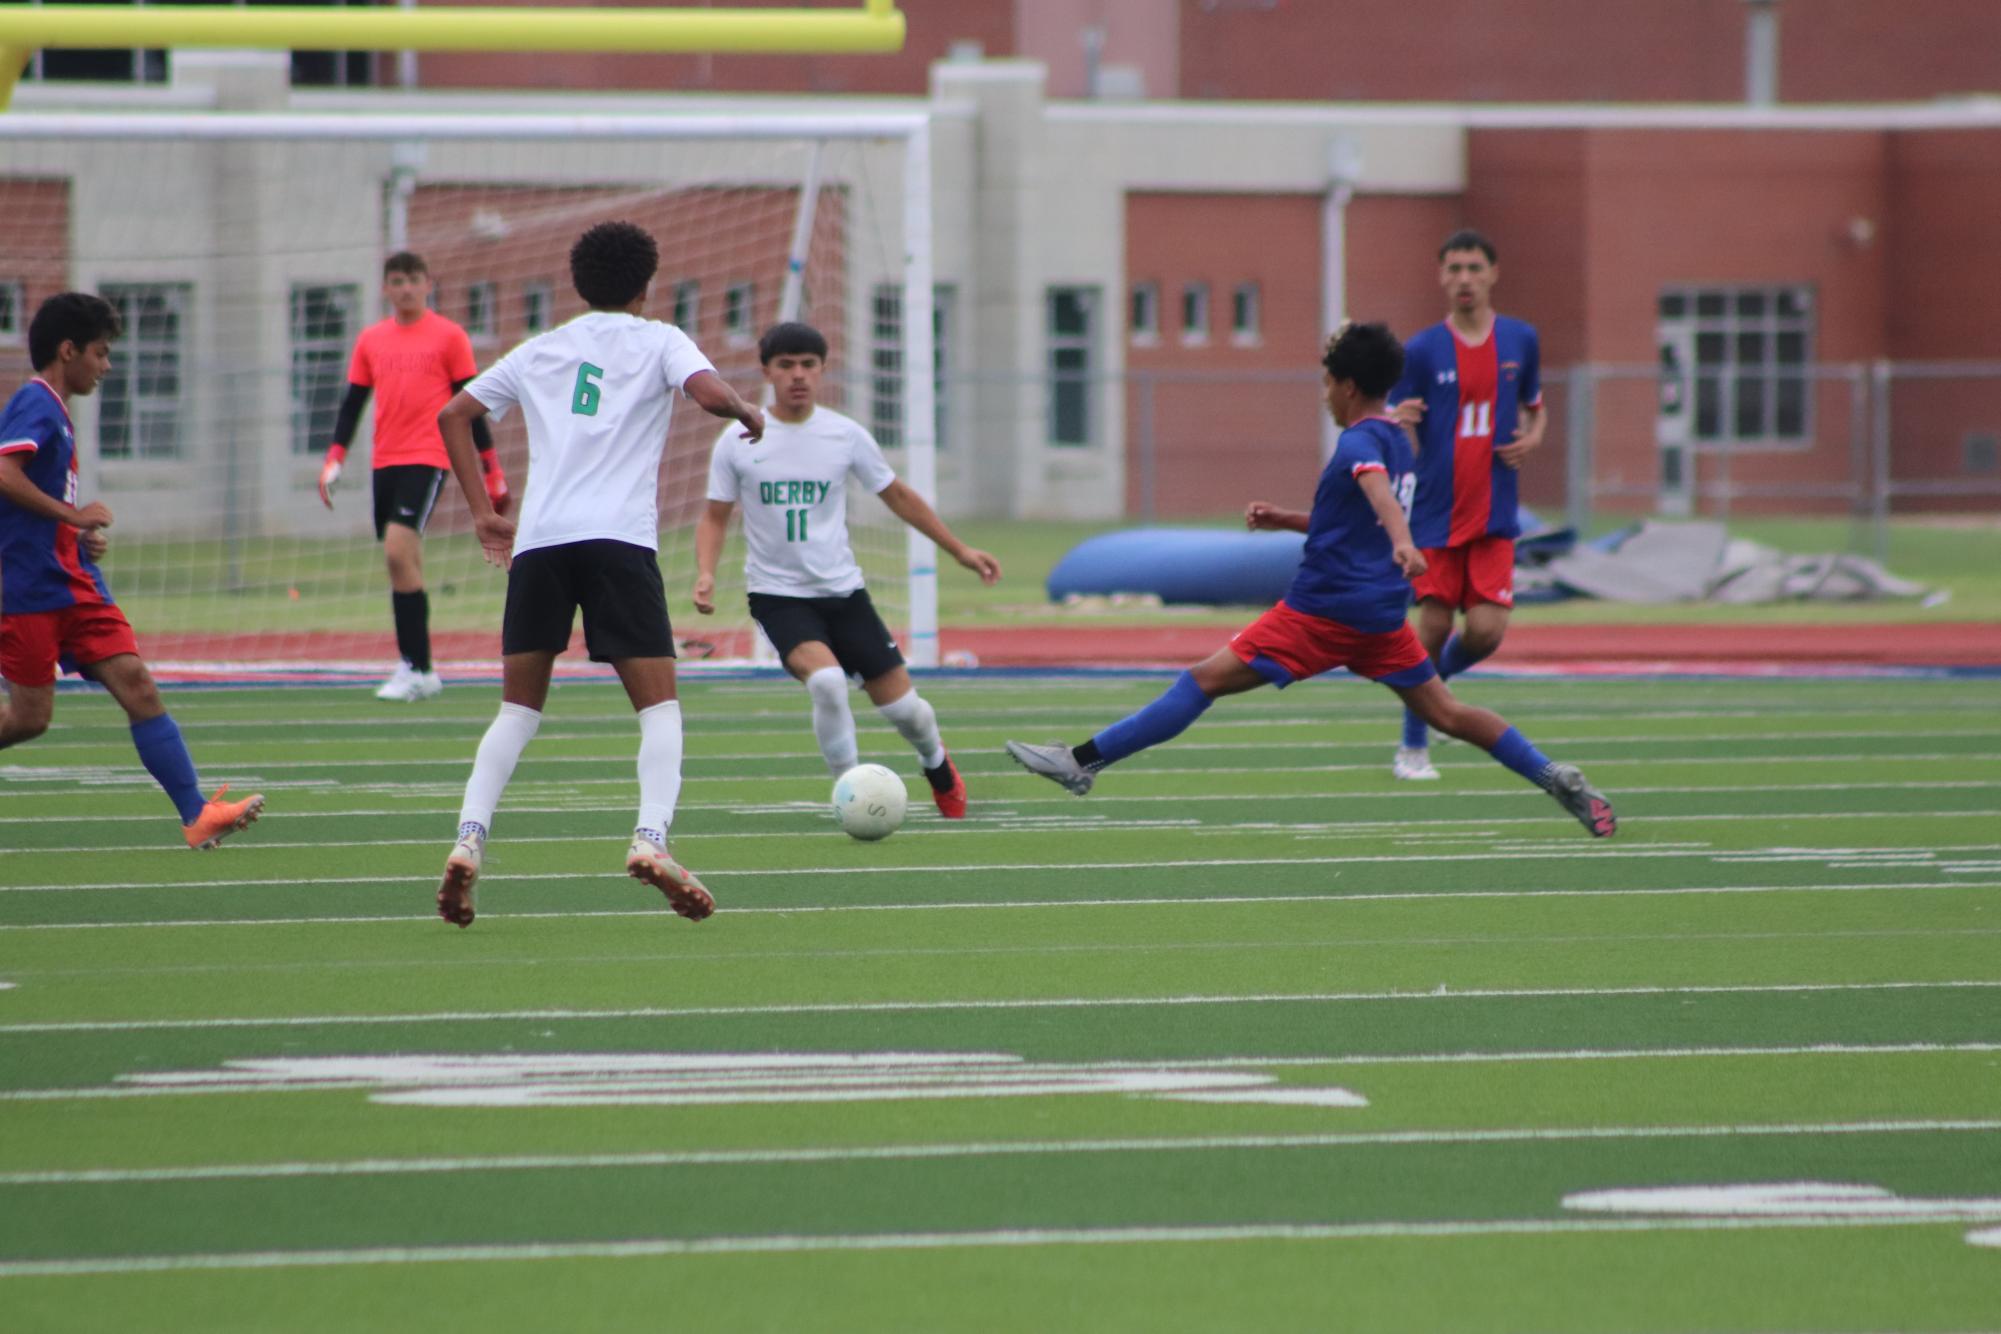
{"x": 951, "y": 800}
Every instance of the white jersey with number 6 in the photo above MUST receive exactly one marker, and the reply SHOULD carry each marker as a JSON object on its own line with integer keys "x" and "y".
{"x": 597, "y": 395}
{"x": 793, "y": 487}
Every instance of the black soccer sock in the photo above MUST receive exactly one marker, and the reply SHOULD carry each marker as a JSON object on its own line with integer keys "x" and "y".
{"x": 413, "y": 628}
{"x": 1087, "y": 754}
{"x": 940, "y": 778}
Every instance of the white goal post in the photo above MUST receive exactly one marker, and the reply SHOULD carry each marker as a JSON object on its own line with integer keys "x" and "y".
{"x": 245, "y": 251}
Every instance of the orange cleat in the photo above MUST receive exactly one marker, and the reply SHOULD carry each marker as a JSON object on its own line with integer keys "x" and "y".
{"x": 951, "y": 800}
{"x": 219, "y": 819}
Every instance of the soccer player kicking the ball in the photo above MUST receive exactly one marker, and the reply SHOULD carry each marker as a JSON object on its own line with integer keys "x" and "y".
{"x": 1472, "y": 393}
{"x": 805, "y": 588}
{"x": 597, "y": 395}
{"x": 1345, "y": 608}
{"x": 414, "y": 361}
{"x": 55, "y": 609}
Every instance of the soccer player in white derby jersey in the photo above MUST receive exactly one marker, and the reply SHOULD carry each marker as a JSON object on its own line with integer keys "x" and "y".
{"x": 805, "y": 588}
{"x": 597, "y": 395}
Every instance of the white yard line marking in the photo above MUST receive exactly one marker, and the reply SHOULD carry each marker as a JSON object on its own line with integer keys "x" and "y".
{"x": 1007, "y": 906}
{"x": 974, "y": 1149}
{"x": 996, "y": 1004}
{"x": 907, "y": 1241}
{"x": 1097, "y": 799}
{"x": 1584, "y": 851}
{"x": 116, "y": 1092}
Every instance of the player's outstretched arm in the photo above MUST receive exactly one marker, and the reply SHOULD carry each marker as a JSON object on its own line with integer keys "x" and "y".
{"x": 713, "y": 395}
{"x": 18, "y": 488}
{"x": 710, "y": 531}
{"x": 495, "y": 531}
{"x": 345, "y": 422}
{"x": 1260, "y": 517}
{"x": 1375, "y": 485}
{"x": 916, "y": 511}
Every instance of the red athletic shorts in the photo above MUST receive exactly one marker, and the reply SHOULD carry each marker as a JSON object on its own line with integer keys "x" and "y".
{"x": 33, "y": 643}
{"x": 1285, "y": 645}
{"x": 1482, "y": 570}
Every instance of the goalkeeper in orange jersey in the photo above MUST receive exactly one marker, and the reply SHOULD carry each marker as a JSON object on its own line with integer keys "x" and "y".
{"x": 414, "y": 361}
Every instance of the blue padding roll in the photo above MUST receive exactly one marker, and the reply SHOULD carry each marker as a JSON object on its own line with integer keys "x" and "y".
{"x": 1209, "y": 565}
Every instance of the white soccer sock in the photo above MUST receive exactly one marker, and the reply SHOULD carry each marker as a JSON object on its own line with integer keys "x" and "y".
{"x": 499, "y": 751}
{"x": 659, "y": 767}
{"x": 918, "y": 724}
{"x": 833, "y": 722}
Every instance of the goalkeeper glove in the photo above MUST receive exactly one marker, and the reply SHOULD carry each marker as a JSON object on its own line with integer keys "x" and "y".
{"x": 496, "y": 481}
{"x": 330, "y": 473}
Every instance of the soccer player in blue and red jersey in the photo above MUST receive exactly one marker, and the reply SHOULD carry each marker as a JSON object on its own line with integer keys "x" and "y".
{"x": 1345, "y": 608}
{"x": 1472, "y": 393}
{"x": 54, "y": 605}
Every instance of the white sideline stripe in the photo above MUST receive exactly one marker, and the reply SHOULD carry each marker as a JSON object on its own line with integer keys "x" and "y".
{"x": 910, "y": 1241}
{"x": 114, "y": 1092}
{"x": 974, "y": 1149}
{"x": 803, "y": 807}
{"x": 1008, "y": 1003}
{"x": 1584, "y": 851}
{"x": 1016, "y": 905}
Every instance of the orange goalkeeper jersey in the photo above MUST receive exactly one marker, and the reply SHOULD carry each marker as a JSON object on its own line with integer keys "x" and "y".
{"x": 411, "y": 368}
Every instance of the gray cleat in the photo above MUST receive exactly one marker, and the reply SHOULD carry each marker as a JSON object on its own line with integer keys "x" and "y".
{"x": 1055, "y": 763}
{"x": 1566, "y": 782}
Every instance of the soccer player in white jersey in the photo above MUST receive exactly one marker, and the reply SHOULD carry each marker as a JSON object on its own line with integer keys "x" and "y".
{"x": 597, "y": 395}
{"x": 805, "y": 588}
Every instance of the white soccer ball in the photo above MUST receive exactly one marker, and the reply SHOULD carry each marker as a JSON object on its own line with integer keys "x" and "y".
{"x": 869, "y": 801}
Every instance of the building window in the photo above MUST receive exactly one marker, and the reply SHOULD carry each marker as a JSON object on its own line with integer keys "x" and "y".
{"x": 481, "y": 300}
{"x": 1073, "y": 329}
{"x": 140, "y": 415}
{"x": 322, "y": 328}
{"x": 1195, "y": 313}
{"x": 1750, "y": 350}
{"x": 885, "y": 397}
{"x": 1145, "y": 323}
{"x": 739, "y": 312}
{"x": 537, "y": 301}
{"x": 13, "y": 311}
{"x": 1246, "y": 314}
{"x": 687, "y": 305}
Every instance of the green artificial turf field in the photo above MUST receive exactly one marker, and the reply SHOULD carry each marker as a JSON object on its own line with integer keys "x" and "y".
{"x": 1251, "y": 1038}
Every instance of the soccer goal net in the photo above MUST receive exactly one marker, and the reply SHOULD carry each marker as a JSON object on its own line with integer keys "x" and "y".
{"x": 245, "y": 254}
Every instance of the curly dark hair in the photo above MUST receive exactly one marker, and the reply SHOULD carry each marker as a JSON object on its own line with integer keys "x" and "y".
{"x": 70, "y": 317}
{"x": 612, "y": 263}
{"x": 1367, "y": 355}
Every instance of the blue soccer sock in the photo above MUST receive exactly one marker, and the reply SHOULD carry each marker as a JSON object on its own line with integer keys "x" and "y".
{"x": 1454, "y": 657}
{"x": 166, "y": 757}
{"x": 1519, "y": 753}
{"x": 1415, "y": 736}
{"x": 1163, "y": 720}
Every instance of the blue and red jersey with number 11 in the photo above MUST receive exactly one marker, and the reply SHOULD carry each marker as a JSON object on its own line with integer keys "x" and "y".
{"x": 1473, "y": 396}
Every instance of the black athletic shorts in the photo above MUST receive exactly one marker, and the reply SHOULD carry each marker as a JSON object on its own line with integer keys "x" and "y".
{"x": 616, "y": 583}
{"x": 405, "y": 493}
{"x": 848, "y": 625}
